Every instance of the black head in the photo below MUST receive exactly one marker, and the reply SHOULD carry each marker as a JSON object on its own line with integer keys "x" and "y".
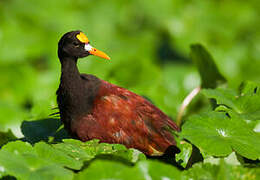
{"x": 76, "y": 44}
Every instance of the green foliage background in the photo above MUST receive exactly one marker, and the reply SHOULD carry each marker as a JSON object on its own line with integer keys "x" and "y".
{"x": 148, "y": 42}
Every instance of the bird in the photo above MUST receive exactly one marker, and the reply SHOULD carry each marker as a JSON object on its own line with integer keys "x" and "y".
{"x": 91, "y": 108}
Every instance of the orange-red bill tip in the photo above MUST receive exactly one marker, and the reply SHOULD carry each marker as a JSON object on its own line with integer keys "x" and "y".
{"x": 96, "y": 52}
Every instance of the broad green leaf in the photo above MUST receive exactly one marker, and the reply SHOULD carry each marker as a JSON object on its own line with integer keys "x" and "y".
{"x": 218, "y": 134}
{"x": 109, "y": 169}
{"x": 119, "y": 150}
{"x": 246, "y": 103}
{"x": 25, "y": 163}
{"x": 219, "y": 172}
{"x": 71, "y": 154}
{"x": 232, "y": 159}
{"x": 250, "y": 120}
{"x": 209, "y": 73}
{"x": 158, "y": 170}
{"x": 249, "y": 87}
{"x": 223, "y": 96}
{"x": 201, "y": 171}
{"x": 19, "y": 147}
{"x": 56, "y": 156}
{"x": 142, "y": 170}
{"x": 77, "y": 149}
{"x": 86, "y": 151}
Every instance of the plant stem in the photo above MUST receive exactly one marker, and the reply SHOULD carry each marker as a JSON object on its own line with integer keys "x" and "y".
{"x": 186, "y": 103}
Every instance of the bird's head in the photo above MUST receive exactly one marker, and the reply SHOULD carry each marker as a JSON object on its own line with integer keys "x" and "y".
{"x": 76, "y": 44}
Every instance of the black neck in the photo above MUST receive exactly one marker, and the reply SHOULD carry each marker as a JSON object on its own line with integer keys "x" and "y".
{"x": 76, "y": 93}
{"x": 69, "y": 69}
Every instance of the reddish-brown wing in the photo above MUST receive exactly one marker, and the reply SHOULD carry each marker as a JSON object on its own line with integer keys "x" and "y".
{"x": 120, "y": 116}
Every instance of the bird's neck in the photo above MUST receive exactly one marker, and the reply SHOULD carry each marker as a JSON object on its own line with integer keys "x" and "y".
{"x": 69, "y": 69}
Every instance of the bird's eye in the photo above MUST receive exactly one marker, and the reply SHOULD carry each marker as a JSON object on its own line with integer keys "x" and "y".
{"x": 76, "y": 44}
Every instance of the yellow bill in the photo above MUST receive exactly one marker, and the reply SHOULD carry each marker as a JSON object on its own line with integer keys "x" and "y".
{"x": 96, "y": 52}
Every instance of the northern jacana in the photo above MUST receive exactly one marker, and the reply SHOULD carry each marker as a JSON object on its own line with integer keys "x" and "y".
{"x": 91, "y": 108}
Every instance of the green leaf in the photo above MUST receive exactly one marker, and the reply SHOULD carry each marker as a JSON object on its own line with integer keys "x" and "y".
{"x": 32, "y": 161}
{"x": 20, "y": 160}
{"x": 223, "y": 96}
{"x": 77, "y": 149}
{"x": 19, "y": 147}
{"x": 186, "y": 149}
{"x": 249, "y": 87}
{"x": 142, "y": 170}
{"x": 222, "y": 171}
{"x": 231, "y": 159}
{"x": 86, "y": 151}
{"x": 246, "y": 103}
{"x": 158, "y": 170}
{"x": 209, "y": 73}
{"x": 105, "y": 169}
{"x": 202, "y": 171}
{"x": 56, "y": 156}
{"x": 218, "y": 134}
